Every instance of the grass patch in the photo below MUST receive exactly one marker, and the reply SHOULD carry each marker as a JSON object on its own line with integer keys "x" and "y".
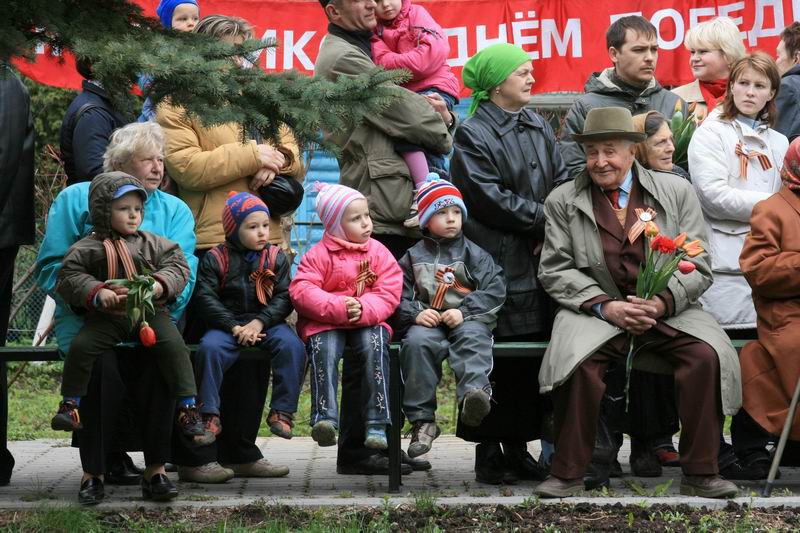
{"x": 530, "y": 516}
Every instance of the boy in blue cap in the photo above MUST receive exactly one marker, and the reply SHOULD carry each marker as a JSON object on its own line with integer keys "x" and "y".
{"x": 117, "y": 249}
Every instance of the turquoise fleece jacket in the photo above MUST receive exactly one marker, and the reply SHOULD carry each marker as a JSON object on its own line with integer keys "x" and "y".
{"x": 68, "y": 221}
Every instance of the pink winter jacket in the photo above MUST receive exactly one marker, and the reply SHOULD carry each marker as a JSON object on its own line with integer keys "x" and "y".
{"x": 413, "y": 40}
{"x": 327, "y": 274}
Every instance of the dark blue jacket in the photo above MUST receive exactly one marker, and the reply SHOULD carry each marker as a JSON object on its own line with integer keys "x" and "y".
{"x": 788, "y": 103}
{"x": 85, "y": 134}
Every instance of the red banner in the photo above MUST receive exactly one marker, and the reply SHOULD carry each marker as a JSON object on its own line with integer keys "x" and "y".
{"x": 566, "y": 40}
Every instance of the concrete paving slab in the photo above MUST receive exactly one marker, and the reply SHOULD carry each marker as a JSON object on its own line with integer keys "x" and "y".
{"x": 48, "y": 472}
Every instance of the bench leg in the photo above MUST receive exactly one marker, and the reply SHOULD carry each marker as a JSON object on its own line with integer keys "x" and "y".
{"x": 395, "y": 479}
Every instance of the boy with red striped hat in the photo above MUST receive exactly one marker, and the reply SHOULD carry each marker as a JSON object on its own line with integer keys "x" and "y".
{"x": 452, "y": 292}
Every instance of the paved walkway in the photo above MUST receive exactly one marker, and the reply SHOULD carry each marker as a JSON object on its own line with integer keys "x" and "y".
{"x": 49, "y": 472}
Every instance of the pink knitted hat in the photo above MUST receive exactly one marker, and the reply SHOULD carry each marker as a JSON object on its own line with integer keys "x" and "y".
{"x": 332, "y": 200}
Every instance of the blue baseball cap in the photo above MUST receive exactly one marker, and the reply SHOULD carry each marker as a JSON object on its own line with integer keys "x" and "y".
{"x": 125, "y": 189}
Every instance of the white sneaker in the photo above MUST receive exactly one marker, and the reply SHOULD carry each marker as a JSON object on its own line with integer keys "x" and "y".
{"x": 207, "y": 473}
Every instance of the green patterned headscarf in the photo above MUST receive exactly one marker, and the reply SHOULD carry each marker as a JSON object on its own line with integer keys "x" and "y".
{"x": 489, "y": 68}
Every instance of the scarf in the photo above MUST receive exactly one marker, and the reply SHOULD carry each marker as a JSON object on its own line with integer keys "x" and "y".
{"x": 489, "y": 68}
{"x": 713, "y": 91}
{"x": 790, "y": 173}
{"x": 359, "y": 39}
{"x": 625, "y": 85}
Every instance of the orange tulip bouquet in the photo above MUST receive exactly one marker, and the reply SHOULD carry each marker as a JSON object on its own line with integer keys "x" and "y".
{"x": 139, "y": 304}
{"x": 664, "y": 257}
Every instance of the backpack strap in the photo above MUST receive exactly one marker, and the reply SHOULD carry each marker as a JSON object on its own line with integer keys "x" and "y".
{"x": 220, "y": 253}
{"x": 274, "y": 250}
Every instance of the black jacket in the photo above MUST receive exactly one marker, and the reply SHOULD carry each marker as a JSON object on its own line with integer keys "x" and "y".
{"x": 505, "y": 165}
{"x": 84, "y": 138}
{"x": 236, "y": 304}
{"x": 17, "y": 213}
{"x": 788, "y": 102}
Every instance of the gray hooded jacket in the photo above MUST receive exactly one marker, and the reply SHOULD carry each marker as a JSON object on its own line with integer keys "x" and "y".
{"x": 484, "y": 287}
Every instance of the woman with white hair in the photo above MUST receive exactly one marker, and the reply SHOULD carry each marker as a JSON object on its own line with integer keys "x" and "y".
{"x": 714, "y": 46}
{"x": 120, "y": 379}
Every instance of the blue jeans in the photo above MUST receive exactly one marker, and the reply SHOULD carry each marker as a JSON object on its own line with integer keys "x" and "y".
{"x": 325, "y": 349}
{"x": 218, "y": 351}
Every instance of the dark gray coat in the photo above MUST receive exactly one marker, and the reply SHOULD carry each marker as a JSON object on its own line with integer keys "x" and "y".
{"x": 17, "y": 213}
{"x": 601, "y": 91}
{"x": 505, "y": 166}
{"x": 788, "y": 102}
{"x": 473, "y": 268}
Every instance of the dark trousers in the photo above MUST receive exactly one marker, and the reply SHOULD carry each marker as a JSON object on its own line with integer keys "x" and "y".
{"x": 468, "y": 350}
{"x": 748, "y": 437}
{"x": 128, "y": 407}
{"x": 7, "y": 258}
{"x": 514, "y": 384}
{"x": 242, "y": 398}
{"x": 218, "y": 351}
{"x": 100, "y": 333}
{"x": 577, "y": 403}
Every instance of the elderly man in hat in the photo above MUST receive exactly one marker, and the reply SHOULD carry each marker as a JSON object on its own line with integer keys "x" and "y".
{"x": 594, "y": 246}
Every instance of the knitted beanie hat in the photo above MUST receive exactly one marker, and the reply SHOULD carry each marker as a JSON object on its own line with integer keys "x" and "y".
{"x": 436, "y": 194}
{"x": 236, "y": 209}
{"x": 166, "y": 8}
{"x": 332, "y": 200}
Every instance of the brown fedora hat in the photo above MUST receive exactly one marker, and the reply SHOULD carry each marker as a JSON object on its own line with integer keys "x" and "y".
{"x": 604, "y": 123}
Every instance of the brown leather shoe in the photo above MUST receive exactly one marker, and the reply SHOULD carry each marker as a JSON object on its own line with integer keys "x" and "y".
{"x": 555, "y": 487}
{"x": 708, "y": 487}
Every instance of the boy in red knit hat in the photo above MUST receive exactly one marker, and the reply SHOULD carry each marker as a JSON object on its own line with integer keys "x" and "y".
{"x": 243, "y": 290}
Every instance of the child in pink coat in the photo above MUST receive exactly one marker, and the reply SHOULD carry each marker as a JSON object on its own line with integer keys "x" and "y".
{"x": 345, "y": 289}
{"x": 408, "y": 37}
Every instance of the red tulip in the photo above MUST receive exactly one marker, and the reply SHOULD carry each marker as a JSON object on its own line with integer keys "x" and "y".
{"x": 663, "y": 244}
{"x": 686, "y": 267}
{"x": 147, "y": 335}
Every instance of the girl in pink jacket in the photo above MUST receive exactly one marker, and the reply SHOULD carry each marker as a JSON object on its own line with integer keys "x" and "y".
{"x": 408, "y": 37}
{"x": 345, "y": 289}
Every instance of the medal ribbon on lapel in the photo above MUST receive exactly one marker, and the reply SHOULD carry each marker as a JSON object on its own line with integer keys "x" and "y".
{"x": 447, "y": 280}
{"x": 643, "y": 216}
{"x": 365, "y": 277}
{"x": 264, "y": 280}
{"x": 744, "y": 159}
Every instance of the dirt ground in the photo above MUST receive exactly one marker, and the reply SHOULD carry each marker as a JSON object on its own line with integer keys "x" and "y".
{"x": 420, "y": 516}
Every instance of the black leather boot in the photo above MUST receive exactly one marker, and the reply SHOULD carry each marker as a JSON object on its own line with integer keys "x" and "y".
{"x": 522, "y": 463}
{"x": 489, "y": 463}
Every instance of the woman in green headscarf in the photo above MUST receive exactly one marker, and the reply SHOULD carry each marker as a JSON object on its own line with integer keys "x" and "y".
{"x": 505, "y": 162}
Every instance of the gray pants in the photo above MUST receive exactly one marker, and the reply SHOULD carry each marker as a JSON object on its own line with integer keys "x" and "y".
{"x": 468, "y": 349}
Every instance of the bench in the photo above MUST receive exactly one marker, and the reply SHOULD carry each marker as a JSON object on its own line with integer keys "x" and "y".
{"x": 503, "y": 349}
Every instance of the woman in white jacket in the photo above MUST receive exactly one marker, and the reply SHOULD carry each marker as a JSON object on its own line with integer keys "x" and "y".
{"x": 735, "y": 159}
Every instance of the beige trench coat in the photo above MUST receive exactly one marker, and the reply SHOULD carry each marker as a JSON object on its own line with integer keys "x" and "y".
{"x": 573, "y": 270}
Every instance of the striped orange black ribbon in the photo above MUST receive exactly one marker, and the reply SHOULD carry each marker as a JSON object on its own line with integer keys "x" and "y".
{"x": 643, "y": 216}
{"x": 447, "y": 280}
{"x": 118, "y": 250}
{"x": 365, "y": 277}
{"x": 744, "y": 159}
{"x": 264, "y": 280}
